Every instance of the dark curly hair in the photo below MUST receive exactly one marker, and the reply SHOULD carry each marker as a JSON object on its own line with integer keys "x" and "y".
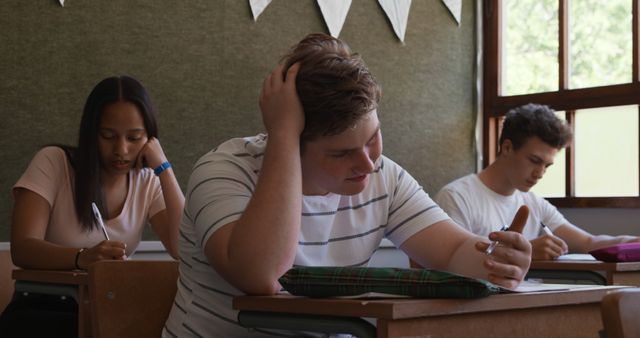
{"x": 524, "y": 122}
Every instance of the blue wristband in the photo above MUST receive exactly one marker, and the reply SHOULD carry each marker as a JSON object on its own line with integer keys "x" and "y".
{"x": 159, "y": 169}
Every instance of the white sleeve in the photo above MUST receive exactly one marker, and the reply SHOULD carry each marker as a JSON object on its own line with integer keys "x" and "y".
{"x": 550, "y": 215}
{"x": 411, "y": 208}
{"x": 455, "y": 206}
{"x": 219, "y": 191}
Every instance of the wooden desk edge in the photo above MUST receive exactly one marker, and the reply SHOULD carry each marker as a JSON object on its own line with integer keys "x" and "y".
{"x": 585, "y": 265}
{"x": 51, "y": 276}
{"x": 413, "y": 308}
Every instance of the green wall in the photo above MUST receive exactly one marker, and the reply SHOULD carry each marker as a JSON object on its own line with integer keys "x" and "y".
{"x": 203, "y": 62}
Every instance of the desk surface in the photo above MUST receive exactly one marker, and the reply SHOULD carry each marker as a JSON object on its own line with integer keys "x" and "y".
{"x": 627, "y": 273}
{"x": 585, "y": 265}
{"x": 414, "y": 308}
{"x": 51, "y": 276}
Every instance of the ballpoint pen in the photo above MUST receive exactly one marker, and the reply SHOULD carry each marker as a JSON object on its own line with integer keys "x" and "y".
{"x": 550, "y": 233}
{"x": 96, "y": 213}
{"x": 493, "y": 244}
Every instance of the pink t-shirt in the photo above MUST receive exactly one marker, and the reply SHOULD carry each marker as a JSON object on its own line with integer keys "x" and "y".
{"x": 50, "y": 176}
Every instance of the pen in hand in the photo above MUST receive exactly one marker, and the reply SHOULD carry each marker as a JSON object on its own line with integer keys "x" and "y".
{"x": 96, "y": 213}
{"x": 518, "y": 223}
{"x": 550, "y": 233}
{"x": 493, "y": 244}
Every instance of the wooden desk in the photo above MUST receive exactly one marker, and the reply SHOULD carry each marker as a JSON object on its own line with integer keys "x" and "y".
{"x": 613, "y": 273}
{"x": 116, "y": 298}
{"x": 70, "y": 283}
{"x": 573, "y": 313}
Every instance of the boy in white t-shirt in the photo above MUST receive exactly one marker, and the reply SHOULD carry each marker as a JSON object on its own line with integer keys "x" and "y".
{"x": 531, "y": 137}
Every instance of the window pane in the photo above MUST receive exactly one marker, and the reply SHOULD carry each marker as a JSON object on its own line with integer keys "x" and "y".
{"x": 529, "y": 46}
{"x": 600, "y": 42}
{"x": 552, "y": 183}
{"x": 606, "y": 151}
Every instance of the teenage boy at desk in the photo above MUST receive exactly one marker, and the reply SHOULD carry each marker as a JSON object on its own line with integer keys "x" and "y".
{"x": 531, "y": 137}
{"x": 315, "y": 191}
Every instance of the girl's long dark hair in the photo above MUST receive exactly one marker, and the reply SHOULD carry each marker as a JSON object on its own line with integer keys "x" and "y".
{"x": 85, "y": 158}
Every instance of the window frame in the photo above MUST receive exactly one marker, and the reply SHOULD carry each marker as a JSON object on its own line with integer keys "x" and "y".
{"x": 494, "y": 105}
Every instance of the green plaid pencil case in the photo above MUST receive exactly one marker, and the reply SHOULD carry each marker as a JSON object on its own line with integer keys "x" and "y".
{"x": 354, "y": 281}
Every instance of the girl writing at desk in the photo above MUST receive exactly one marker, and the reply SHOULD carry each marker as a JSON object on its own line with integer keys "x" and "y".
{"x": 120, "y": 166}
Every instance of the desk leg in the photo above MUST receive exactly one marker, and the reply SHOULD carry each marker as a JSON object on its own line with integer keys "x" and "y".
{"x": 84, "y": 312}
{"x": 561, "y": 321}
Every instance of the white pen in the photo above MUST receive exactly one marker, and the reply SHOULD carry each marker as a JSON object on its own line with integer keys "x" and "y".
{"x": 96, "y": 213}
{"x": 546, "y": 230}
{"x": 493, "y": 244}
{"x": 550, "y": 233}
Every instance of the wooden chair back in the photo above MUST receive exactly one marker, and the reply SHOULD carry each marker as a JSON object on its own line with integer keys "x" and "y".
{"x": 131, "y": 298}
{"x": 620, "y": 311}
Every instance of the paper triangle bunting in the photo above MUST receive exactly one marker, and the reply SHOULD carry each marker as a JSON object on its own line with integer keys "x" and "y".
{"x": 334, "y": 13}
{"x": 455, "y": 7}
{"x": 398, "y": 13}
{"x": 257, "y": 7}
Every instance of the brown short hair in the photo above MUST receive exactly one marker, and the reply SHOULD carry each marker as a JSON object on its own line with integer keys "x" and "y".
{"x": 334, "y": 85}
{"x": 524, "y": 122}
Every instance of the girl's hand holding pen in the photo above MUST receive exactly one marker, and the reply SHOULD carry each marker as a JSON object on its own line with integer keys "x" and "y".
{"x": 509, "y": 261}
{"x": 114, "y": 250}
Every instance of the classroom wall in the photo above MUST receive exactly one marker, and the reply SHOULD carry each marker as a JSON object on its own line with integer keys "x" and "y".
{"x": 611, "y": 221}
{"x": 203, "y": 62}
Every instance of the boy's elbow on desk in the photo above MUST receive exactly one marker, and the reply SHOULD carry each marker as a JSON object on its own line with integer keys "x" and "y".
{"x": 251, "y": 282}
{"x": 257, "y": 288}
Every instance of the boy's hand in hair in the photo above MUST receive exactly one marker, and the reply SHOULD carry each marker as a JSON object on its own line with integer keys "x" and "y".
{"x": 282, "y": 111}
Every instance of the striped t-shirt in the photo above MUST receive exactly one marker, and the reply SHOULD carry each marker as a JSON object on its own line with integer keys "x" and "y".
{"x": 335, "y": 230}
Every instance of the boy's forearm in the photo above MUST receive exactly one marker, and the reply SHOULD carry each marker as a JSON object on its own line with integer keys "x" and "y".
{"x": 265, "y": 238}
{"x": 468, "y": 261}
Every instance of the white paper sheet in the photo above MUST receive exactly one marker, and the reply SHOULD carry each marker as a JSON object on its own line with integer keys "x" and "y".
{"x": 334, "y": 13}
{"x": 62, "y": 3}
{"x": 398, "y": 13}
{"x": 257, "y": 7}
{"x": 576, "y": 257}
{"x": 455, "y": 7}
{"x": 531, "y": 286}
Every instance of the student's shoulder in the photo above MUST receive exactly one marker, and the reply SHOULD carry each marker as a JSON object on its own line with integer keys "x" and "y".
{"x": 50, "y": 155}
{"x": 461, "y": 184}
{"x": 51, "y": 151}
{"x": 390, "y": 173}
{"x": 246, "y": 152}
{"x": 388, "y": 166}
